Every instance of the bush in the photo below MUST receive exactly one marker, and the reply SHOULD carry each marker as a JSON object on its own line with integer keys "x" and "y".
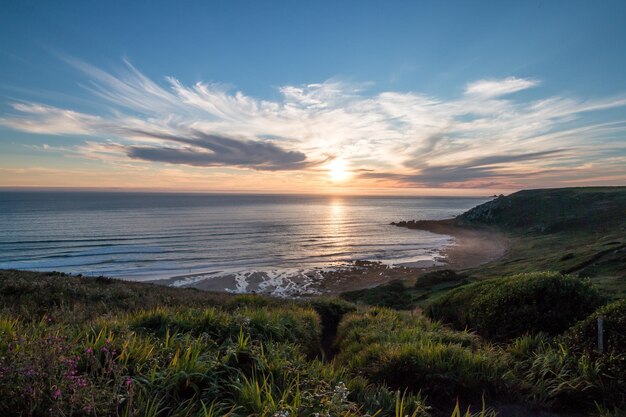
{"x": 583, "y": 336}
{"x": 437, "y": 277}
{"x": 392, "y": 295}
{"x": 526, "y": 303}
{"x": 406, "y": 351}
{"x": 331, "y": 310}
{"x": 287, "y": 324}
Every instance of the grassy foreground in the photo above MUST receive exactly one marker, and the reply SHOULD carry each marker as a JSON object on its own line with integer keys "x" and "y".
{"x": 99, "y": 347}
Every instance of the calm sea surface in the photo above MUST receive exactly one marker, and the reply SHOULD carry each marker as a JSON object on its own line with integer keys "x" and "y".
{"x": 142, "y": 236}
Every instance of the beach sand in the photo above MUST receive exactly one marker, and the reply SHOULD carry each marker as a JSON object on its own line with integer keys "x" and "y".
{"x": 471, "y": 248}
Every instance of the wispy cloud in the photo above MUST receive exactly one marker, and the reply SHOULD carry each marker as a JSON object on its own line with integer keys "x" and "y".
{"x": 495, "y": 88}
{"x": 482, "y": 138}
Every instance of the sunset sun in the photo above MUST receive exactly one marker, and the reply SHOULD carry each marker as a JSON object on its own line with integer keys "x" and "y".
{"x": 338, "y": 171}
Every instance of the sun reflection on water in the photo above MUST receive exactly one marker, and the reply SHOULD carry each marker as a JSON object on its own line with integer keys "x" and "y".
{"x": 336, "y": 234}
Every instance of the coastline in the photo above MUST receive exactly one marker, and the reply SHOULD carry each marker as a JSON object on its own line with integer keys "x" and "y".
{"x": 471, "y": 248}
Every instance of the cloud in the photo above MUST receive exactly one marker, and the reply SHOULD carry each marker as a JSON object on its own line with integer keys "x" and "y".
{"x": 495, "y": 168}
{"x": 39, "y": 118}
{"x": 495, "y": 88}
{"x": 206, "y": 150}
{"x": 407, "y": 137}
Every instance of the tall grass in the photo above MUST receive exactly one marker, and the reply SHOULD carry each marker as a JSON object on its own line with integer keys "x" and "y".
{"x": 253, "y": 356}
{"x": 406, "y": 351}
{"x": 238, "y": 361}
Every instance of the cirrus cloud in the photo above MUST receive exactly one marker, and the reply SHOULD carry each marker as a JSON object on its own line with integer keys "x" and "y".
{"x": 482, "y": 138}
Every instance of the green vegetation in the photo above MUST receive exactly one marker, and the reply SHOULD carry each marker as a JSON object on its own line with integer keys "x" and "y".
{"x": 197, "y": 354}
{"x": 510, "y": 307}
{"x": 552, "y": 374}
{"x": 411, "y": 352}
{"x": 202, "y": 354}
{"x": 405, "y": 296}
{"x": 580, "y": 231}
{"x": 505, "y": 334}
{"x": 583, "y": 336}
{"x": 552, "y": 210}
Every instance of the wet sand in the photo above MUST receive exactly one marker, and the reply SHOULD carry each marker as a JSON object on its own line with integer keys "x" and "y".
{"x": 471, "y": 248}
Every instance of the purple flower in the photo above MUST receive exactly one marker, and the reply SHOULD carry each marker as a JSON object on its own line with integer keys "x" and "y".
{"x": 56, "y": 394}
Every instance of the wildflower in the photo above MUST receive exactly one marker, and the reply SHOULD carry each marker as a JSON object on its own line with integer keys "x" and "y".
{"x": 56, "y": 395}
{"x": 128, "y": 383}
{"x": 342, "y": 391}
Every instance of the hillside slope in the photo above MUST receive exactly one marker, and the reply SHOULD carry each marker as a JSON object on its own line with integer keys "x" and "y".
{"x": 580, "y": 231}
{"x": 577, "y": 231}
{"x": 552, "y": 210}
{"x": 95, "y": 347}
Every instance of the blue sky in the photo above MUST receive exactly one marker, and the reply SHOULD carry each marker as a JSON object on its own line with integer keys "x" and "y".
{"x": 419, "y": 57}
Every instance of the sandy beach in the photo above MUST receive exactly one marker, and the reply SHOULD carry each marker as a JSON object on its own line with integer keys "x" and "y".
{"x": 471, "y": 248}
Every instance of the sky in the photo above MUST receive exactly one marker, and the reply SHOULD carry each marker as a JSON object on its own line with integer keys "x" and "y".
{"x": 415, "y": 97}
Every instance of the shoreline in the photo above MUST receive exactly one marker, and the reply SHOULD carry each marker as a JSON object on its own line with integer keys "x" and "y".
{"x": 471, "y": 247}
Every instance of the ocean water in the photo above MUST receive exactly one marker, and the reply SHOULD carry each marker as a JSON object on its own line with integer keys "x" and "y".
{"x": 147, "y": 236}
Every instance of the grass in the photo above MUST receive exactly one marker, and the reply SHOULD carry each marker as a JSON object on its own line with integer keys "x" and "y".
{"x": 410, "y": 352}
{"x": 71, "y": 346}
{"x": 198, "y": 354}
{"x": 512, "y": 306}
{"x": 576, "y": 231}
{"x": 255, "y": 356}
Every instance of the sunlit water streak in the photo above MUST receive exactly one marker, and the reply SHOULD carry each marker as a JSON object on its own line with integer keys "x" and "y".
{"x": 141, "y": 236}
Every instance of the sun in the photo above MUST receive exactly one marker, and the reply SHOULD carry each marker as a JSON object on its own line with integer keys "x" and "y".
{"x": 337, "y": 170}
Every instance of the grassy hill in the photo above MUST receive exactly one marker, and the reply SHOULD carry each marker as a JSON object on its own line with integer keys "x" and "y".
{"x": 72, "y": 346}
{"x": 576, "y": 231}
{"x": 555, "y": 210}
{"x": 580, "y": 231}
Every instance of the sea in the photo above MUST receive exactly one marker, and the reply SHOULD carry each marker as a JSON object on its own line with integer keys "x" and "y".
{"x": 183, "y": 238}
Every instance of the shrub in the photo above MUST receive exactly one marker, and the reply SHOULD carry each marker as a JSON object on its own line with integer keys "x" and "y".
{"x": 437, "y": 277}
{"x": 583, "y": 336}
{"x": 513, "y": 306}
{"x": 407, "y": 351}
{"x": 392, "y": 295}
{"x": 291, "y": 323}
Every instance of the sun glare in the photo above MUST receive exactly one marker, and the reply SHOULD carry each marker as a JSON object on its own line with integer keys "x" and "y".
{"x": 338, "y": 171}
